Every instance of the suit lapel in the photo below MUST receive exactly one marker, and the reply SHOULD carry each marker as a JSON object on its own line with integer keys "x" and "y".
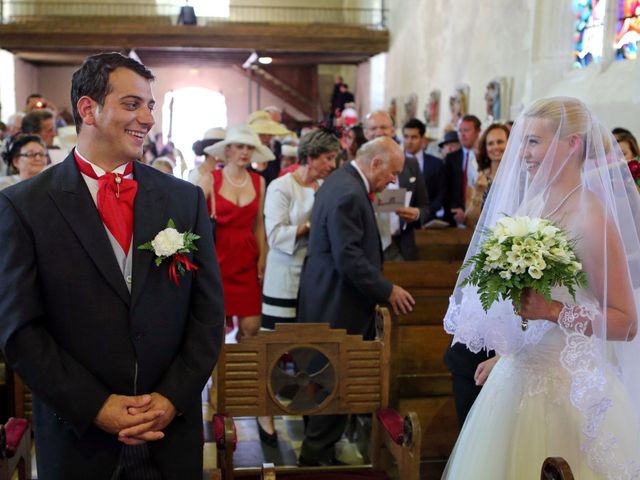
{"x": 73, "y": 200}
{"x": 149, "y": 219}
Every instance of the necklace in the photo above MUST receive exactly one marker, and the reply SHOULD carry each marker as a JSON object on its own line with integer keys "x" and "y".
{"x": 566, "y": 197}
{"x": 237, "y": 185}
{"x": 313, "y": 185}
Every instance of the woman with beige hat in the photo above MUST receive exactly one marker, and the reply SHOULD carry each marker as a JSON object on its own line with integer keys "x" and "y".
{"x": 236, "y": 201}
{"x": 263, "y": 124}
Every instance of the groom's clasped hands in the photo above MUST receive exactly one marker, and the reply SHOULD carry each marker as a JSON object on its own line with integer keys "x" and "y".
{"x": 136, "y": 419}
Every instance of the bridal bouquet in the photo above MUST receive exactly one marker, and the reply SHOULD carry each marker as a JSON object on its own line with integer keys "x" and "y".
{"x": 523, "y": 252}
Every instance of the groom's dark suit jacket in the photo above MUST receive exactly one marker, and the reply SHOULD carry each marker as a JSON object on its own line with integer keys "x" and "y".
{"x": 341, "y": 280}
{"x": 72, "y": 331}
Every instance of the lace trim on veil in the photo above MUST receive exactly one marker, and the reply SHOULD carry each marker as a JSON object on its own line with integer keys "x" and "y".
{"x": 497, "y": 329}
{"x": 588, "y": 379}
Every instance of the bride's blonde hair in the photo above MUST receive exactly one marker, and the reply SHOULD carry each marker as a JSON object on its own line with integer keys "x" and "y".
{"x": 569, "y": 116}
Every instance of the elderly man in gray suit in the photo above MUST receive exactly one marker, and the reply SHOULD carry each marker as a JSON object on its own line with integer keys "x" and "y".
{"x": 342, "y": 280}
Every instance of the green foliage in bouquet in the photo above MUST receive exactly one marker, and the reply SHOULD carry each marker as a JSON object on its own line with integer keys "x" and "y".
{"x": 523, "y": 252}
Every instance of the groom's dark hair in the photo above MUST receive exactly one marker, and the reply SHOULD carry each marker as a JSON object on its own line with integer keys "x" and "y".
{"x": 92, "y": 78}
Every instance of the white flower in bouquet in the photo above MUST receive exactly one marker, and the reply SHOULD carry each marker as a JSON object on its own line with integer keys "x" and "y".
{"x": 523, "y": 252}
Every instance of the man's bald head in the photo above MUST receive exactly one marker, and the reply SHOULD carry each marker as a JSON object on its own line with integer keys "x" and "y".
{"x": 381, "y": 160}
{"x": 378, "y": 124}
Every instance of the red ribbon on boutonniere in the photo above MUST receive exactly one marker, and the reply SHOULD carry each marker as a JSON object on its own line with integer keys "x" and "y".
{"x": 178, "y": 262}
{"x": 169, "y": 243}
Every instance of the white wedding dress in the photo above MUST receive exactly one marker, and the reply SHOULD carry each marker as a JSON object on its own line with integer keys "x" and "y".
{"x": 529, "y": 410}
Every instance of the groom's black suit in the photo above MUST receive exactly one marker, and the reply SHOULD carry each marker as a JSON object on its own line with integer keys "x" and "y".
{"x": 75, "y": 334}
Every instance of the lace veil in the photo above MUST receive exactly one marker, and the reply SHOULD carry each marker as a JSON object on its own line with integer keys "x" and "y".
{"x": 562, "y": 164}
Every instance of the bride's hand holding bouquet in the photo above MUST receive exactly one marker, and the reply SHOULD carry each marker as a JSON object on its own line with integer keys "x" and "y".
{"x": 521, "y": 260}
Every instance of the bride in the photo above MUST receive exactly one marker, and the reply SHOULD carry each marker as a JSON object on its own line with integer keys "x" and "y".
{"x": 566, "y": 381}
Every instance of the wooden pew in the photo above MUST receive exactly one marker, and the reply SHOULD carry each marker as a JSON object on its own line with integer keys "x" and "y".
{"x": 420, "y": 380}
{"x": 443, "y": 244}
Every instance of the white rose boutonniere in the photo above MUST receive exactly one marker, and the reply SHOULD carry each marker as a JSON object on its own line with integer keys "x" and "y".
{"x": 170, "y": 243}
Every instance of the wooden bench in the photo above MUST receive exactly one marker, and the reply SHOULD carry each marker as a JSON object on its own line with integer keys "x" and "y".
{"x": 443, "y": 244}
{"x": 556, "y": 468}
{"x": 253, "y": 374}
{"x": 420, "y": 381}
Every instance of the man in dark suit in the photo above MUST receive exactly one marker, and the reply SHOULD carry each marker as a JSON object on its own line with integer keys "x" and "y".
{"x": 115, "y": 350}
{"x": 460, "y": 173}
{"x": 341, "y": 280}
{"x": 397, "y": 230}
{"x": 432, "y": 167}
{"x": 461, "y": 170}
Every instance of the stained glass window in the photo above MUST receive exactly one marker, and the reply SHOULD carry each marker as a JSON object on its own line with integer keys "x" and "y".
{"x": 628, "y": 29}
{"x": 589, "y": 31}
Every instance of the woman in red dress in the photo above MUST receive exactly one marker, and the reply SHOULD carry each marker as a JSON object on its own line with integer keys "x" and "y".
{"x": 236, "y": 201}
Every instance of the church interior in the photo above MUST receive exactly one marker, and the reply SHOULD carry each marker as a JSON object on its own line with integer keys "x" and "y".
{"x": 217, "y": 61}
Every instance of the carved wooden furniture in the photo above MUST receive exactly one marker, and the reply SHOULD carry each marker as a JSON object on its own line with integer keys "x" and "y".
{"x": 15, "y": 449}
{"x": 556, "y": 468}
{"x": 307, "y": 369}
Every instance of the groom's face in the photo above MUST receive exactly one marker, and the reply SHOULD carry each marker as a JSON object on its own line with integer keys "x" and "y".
{"x": 126, "y": 117}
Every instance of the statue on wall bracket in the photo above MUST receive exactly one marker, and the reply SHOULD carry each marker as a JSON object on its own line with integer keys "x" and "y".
{"x": 497, "y": 99}
{"x": 459, "y": 103}
{"x": 432, "y": 109}
{"x": 410, "y": 107}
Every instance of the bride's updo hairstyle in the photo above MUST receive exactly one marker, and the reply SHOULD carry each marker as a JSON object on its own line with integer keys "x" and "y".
{"x": 569, "y": 116}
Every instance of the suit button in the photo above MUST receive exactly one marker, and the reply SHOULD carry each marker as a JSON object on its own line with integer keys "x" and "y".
{"x": 139, "y": 336}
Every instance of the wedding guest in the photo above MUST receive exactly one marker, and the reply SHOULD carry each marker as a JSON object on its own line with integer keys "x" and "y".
{"x": 341, "y": 280}
{"x": 26, "y": 157}
{"x": 287, "y": 212}
{"x": 566, "y": 381}
{"x": 267, "y": 129}
{"x": 628, "y": 145}
{"x": 42, "y": 123}
{"x": 354, "y": 139}
{"x": 208, "y": 163}
{"x": 235, "y": 197}
{"x": 164, "y": 164}
{"x": 491, "y": 147}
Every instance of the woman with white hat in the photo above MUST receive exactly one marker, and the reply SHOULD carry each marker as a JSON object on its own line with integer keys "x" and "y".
{"x": 236, "y": 201}
{"x": 211, "y": 137}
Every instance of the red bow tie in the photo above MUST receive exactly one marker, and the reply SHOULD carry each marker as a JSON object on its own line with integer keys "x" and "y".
{"x": 116, "y": 196}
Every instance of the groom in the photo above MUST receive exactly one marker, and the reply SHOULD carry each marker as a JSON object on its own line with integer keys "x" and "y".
{"x": 115, "y": 352}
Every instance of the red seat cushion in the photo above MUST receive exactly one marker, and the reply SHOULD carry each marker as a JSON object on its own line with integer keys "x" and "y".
{"x": 393, "y": 423}
{"x": 218, "y": 430}
{"x": 15, "y": 428}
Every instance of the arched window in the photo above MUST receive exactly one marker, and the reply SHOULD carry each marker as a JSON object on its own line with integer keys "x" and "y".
{"x": 187, "y": 113}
